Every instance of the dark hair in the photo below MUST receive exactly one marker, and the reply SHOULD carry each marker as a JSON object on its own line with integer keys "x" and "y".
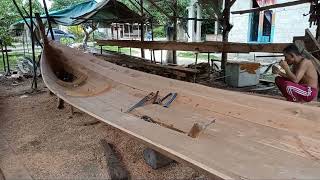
{"x": 292, "y": 49}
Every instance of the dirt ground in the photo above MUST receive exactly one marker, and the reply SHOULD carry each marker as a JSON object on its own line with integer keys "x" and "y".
{"x": 39, "y": 141}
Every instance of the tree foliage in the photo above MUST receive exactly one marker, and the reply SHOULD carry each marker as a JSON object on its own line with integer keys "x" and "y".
{"x": 8, "y": 15}
{"x": 36, "y": 7}
{"x": 158, "y": 17}
{"x": 61, "y": 4}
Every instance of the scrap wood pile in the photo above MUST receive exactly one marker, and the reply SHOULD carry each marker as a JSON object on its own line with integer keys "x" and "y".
{"x": 310, "y": 48}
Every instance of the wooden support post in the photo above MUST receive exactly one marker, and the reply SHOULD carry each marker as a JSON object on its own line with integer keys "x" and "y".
{"x": 209, "y": 66}
{"x": 48, "y": 19}
{"x": 23, "y": 44}
{"x": 174, "y": 53}
{"x": 154, "y": 159}
{"x": 35, "y": 86}
{"x": 101, "y": 49}
{"x": 112, "y": 31}
{"x": 60, "y": 103}
{"x": 117, "y": 28}
{"x": 142, "y": 28}
{"x": 72, "y": 110}
{"x": 161, "y": 56}
{"x": 152, "y": 38}
{"x": 195, "y": 67}
{"x": 225, "y": 33}
{"x": 7, "y": 57}
{"x": 3, "y": 58}
{"x": 114, "y": 166}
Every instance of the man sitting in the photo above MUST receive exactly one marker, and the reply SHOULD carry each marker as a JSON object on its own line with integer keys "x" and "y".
{"x": 299, "y": 84}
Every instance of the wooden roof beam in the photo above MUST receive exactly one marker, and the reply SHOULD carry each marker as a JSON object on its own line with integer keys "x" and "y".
{"x": 287, "y": 4}
{"x": 213, "y": 46}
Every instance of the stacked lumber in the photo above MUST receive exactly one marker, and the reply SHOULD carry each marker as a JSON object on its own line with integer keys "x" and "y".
{"x": 176, "y": 72}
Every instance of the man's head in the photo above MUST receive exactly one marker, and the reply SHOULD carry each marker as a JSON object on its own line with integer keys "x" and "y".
{"x": 291, "y": 54}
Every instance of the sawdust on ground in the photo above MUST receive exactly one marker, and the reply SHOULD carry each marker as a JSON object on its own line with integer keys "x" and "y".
{"x": 53, "y": 144}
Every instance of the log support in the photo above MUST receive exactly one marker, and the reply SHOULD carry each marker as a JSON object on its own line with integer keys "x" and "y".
{"x": 60, "y": 104}
{"x": 155, "y": 160}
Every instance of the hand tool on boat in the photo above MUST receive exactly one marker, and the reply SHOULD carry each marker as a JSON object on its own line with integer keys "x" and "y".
{"x": 172, "y": 96}
{"x": 147, "y": 98}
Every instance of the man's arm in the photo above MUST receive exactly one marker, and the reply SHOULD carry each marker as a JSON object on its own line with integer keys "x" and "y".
{"x": 276, "y": 70}
{"x": 295, "y": 77}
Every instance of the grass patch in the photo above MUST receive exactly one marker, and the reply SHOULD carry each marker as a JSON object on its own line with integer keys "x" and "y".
{"x": 115, "y": 49}
{"x": 14, "y": 58}
{"x": 189, "y": 54}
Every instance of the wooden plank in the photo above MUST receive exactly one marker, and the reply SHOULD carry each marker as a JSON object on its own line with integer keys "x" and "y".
{"x": 247, "y": 142}
{"x": 286, "y": 4}
{"x": 310, "y": 48}
{"x": 311, "y": 44}
{"x": 212, "y": 46}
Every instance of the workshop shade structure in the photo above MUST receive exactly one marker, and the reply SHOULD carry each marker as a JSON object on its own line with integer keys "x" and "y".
{"x": 107, "y": 11}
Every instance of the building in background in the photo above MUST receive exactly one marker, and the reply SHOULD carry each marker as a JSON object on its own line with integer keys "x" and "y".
{"x": 270, "y": 26}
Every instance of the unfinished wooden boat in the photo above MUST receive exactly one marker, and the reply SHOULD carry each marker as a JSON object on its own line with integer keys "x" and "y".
{"x": 252, "y": 137}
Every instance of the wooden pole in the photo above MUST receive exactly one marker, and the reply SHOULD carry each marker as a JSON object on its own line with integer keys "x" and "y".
{"x": 286, "y": 4}
{"x": 48, "y": 19}
{"x": 117, "y": 28}
{"x": 174, "y": 53}
{"x": 35, "y": 86}
{"x": 23, "y": 44}
{"x": 7, "y": 56}
{"x": 152, "y": 38}
{"x": 3, "y": 59}
{"x": 142, "y": 28}
{"x": 225, "y": 33}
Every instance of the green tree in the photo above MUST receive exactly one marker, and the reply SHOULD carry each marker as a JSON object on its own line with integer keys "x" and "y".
{"x": 36, "y": 7}
{"x": 8, "y": 15}
{"x": 158, "y": 17}
{"x": 61, "y": 4}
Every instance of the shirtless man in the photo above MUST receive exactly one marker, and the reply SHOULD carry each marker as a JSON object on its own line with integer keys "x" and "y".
{"x": 299, "y": 84}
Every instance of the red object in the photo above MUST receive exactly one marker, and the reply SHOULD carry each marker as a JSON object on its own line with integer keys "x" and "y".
{"x": 262, "y": 3}
{"x": 296, "y": 92}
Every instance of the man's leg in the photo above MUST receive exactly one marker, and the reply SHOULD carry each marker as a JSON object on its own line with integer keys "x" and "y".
{"x": 294, "y": 92}
{"x": 282, "y": 83}
{"x": 301, "y": 93}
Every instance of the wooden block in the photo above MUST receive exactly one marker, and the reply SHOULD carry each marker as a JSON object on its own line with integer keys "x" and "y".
{"x": 72, "y": 110}
{"x": 50, "y": 93}
{"x": 154, "y": 159}
{"x": 60, "y": 103}
{"x": 114, "y": 166}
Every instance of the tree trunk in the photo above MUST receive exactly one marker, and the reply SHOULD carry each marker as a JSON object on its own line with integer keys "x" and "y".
{"x": 170, "y": 34}
{"x": 87, "y": 35}
{"x": 85, "y": 39}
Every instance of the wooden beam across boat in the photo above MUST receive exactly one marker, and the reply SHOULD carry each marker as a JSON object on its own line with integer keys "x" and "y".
{"x": 258, "y": 9}
{"x": 212, "y": 46}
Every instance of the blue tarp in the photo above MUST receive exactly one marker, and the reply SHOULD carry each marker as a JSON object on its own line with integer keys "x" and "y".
{"x": 89, "y": 10}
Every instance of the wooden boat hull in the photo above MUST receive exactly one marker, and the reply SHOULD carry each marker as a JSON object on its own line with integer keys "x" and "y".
{"x": 252, "y": 138}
